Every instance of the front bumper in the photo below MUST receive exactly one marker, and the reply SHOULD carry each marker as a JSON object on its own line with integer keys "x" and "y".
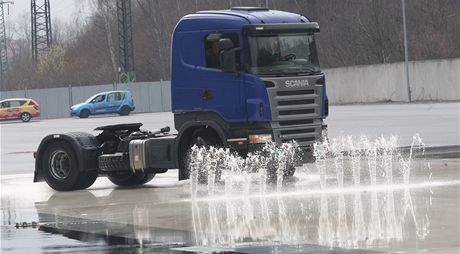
{"x": 305, "y": 141}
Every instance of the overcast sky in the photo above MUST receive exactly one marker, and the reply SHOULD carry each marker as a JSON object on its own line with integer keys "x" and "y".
{"x": 63, "y": 10}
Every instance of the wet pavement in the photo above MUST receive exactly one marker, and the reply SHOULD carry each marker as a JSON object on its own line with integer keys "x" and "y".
{"x": 437, "y": 123}
{"x": 162, "y": 217}
{"x": 419, "y": 215}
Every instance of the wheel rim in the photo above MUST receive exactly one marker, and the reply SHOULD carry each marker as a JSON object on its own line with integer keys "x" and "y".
{"x": 25, "y": 117}
{"x": 199, "y": 141}
{"x": 59, "y": 164}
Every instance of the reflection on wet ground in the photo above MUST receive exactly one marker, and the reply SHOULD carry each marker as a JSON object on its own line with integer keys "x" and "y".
{"x": 165, "y": 219}
{"x": 312, "y": 212}
{"x": 356, "y": 219}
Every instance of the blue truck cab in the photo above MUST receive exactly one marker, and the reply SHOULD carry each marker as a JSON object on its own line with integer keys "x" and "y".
{"x": 248, "y": 75}
{"x": 239, "y": 78}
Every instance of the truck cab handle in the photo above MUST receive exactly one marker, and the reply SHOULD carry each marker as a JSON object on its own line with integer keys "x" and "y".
{"x": 206, "y": 95}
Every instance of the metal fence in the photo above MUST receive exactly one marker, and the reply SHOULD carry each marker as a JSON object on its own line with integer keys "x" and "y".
{"x": 56, "y": 102}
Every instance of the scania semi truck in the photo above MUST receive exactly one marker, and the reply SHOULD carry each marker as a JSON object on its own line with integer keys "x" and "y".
{"x": 239, "y": 78}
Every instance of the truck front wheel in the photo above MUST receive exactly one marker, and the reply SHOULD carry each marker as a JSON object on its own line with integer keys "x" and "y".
{"x": 130, "y": 178}
{"x": 200, "y": 137}
{"x": 60, "y": 168}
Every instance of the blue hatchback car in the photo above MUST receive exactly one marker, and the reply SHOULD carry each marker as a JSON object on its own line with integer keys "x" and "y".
{"x": 120, "y": 102}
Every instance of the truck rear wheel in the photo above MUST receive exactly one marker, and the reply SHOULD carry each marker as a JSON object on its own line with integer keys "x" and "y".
{"x": 87, "y": 179}
{"x": 130, "y": 178}
{"x": 60, "y": 168}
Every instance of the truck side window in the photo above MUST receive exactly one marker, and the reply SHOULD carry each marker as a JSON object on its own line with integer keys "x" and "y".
{"x": 212, "y": 50}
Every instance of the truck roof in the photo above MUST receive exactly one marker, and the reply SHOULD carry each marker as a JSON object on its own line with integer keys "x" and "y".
{"x": 236, "y": 17}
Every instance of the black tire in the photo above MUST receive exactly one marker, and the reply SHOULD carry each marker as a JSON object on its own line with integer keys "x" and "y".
{"x": 84, "y": 113}
{"x": 130, "y": 178}
{"x": 87, "y": 179}
{"x": 114, "y": 162}
{"x": 124, "y": 111}
{"x": 25, "y": 117}
{"x": 308, "y": 157}
{"x": 272, "y": 173}
{"x": 60, "y": 167}
{"x": 290, "y": 171}
{"x": 200, "y": 137}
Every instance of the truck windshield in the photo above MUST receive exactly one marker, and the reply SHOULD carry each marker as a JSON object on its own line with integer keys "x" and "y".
{"x": 283, "y": 54}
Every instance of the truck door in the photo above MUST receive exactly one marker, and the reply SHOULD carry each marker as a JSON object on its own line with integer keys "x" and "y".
{"x": 221, "y": 92}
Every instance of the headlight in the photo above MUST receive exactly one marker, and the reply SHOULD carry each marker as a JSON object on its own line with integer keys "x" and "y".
{"x": 260, "y": 138}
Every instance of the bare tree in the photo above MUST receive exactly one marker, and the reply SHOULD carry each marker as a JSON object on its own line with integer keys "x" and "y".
{"x": 106, "y": 9}
{"x": 353, "y": 32}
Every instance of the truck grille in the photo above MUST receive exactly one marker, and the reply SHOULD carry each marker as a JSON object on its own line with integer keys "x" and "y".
{"x": 295, "y": 92}
{"x": 296, "y": 122}
{"x": 296, "y": 112}
{"x": 297, "y": 131}
{"x": 296, "y": 102}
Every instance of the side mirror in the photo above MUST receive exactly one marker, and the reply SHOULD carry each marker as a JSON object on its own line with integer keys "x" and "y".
{"x": 228, "y": 56}
{"x": 225, "y": 44}
{"x": 228, "y": 60}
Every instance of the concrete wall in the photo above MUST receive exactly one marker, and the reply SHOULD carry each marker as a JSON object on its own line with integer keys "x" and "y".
{"x": 437, "y": 80}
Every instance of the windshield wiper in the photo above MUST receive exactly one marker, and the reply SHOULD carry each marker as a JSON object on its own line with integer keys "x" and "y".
{"x": 304, "y": 70}
{"x": 307, "y": 68}
{"x": 271, "y": 72}
{"x": 301, "y": 71}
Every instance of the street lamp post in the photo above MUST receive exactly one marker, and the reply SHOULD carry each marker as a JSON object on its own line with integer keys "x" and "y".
{"x": 406, "y": 54}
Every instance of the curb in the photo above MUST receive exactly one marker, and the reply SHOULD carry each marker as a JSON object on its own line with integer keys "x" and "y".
{"x": 437, "y": 152}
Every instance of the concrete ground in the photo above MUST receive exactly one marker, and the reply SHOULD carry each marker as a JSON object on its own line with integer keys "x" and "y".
{"x": 420, "y": 216}
{"x": 437, "y": 123}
